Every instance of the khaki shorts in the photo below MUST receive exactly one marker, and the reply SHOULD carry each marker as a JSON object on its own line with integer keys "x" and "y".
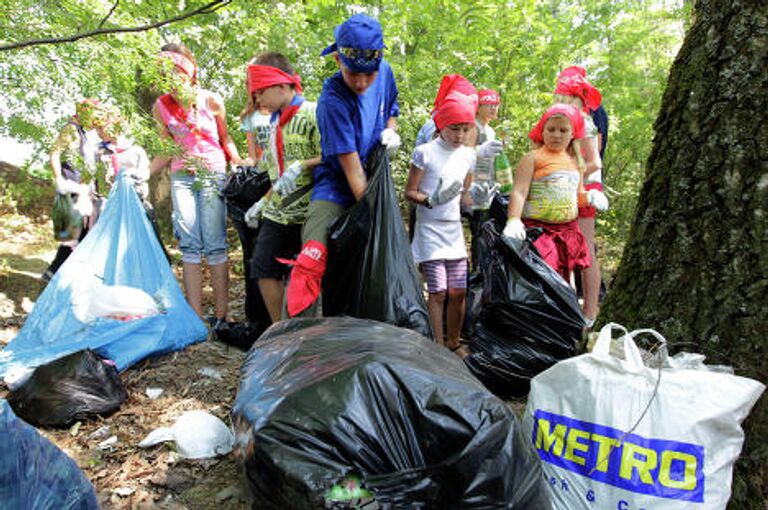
{"x": 319, "y": 217}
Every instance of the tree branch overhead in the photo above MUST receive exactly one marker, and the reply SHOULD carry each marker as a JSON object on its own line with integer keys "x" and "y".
{"x": 206, "y": 9}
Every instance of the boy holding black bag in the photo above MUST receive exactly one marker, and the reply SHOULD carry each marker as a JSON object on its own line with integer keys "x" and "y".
{"x": 294, "y": 151}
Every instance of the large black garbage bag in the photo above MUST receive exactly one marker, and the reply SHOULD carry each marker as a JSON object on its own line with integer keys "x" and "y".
{"x": 325, "y": 399}
{"x": 35, "y": 474}
{"x": 371, "y": 273}
{"x": 76, "y": 387}
{"x": 529, "y": 319}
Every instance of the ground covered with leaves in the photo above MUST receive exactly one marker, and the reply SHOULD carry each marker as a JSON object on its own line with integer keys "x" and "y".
{"x": 124, "y": 475}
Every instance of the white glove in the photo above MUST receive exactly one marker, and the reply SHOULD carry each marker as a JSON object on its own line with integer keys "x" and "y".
{"x": 286, "y": 183}
{"x": 597, "y": 199}
{"x": 84, "y": 204}
{"x": 490, "y": 149}
{"x": 253, "y": 213}
{"x": 441, "y": 196}
{"x": 64, "y": 186}
{"x": 482, "y": 194}
{"x": 514, "y": 229}
{"x": 391, "y": 140}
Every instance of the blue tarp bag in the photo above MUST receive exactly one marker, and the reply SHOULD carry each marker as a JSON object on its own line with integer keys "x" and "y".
{"x": 120, "y": 250}
{"x": 34, "y": 473}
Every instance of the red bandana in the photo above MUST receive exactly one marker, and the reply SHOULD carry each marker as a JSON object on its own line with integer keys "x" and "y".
{"x": 454, "y": 83}
{"x": 575, "y": 85}
{"x": 572, "y": 71}
{"x": 181, "y": 62}
{"x": 568, "y": 110}
{"x": 261, "y": 77}
{"x": 285, "y": 117}
{"x": 456, "y": 102}
{"x": 489, "y": 96}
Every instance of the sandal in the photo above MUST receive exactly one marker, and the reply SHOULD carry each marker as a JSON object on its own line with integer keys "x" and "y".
{"x": 460, "y": 350}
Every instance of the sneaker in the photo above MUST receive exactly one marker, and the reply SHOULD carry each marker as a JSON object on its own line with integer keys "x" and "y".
{"x": 589, "y": 322}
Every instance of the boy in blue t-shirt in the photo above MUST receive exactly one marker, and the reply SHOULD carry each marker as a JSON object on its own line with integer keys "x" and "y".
{"x": 356, "y": 111}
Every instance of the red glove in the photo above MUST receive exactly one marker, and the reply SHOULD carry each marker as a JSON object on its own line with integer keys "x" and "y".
{"x": 306, "y": 277}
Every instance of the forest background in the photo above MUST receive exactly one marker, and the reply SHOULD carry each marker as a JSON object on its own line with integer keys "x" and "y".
{"x": 517, "y": 47}
{"x": 53, "y": 53}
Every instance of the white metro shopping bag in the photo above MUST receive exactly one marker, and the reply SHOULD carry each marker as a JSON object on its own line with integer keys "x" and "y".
{"x": 613, "y": 433}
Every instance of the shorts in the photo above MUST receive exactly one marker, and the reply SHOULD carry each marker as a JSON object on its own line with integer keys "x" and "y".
{"x": 445, "y": 274}
{"x": 275, "y": 240}
{"x": 320, "y": 215}
{"x": 589, "y": 211}
{"x": 199, "y": 218}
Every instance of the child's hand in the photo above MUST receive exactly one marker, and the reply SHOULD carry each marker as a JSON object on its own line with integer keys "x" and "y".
{"x": 597, "y": 199}
{"x": 254, "y": 213}
{"x": 442, "y": 196}
{"x": 514, "y": 229}
{"x": 490, "y": 149}
{"x": 286, "y": 183}
{"x": 391, "y": 140}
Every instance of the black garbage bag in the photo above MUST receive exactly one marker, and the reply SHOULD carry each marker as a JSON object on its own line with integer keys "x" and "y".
{"x": 371, "y": 273}
{"x": 79, "y": 386}
{"x": 35, "y": 474}
{"x": 529, "y": 319}
{"x": 473, "y": 304}
{"x": 323, "y": 400}
{"x": 244, "y": 187}
{"x": 241, "y": 335}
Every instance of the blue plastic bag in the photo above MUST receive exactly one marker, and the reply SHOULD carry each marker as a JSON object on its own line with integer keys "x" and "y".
{"x": 34, "y": 473}
{"x": 121, "y": 249}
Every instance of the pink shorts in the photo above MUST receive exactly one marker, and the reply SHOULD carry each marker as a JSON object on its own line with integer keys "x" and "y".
{"x": 589, "y": 211}
{"x": 445, "y": 274}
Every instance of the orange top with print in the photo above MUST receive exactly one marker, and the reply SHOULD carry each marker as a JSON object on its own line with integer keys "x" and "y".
{"x": 554, "y": 193}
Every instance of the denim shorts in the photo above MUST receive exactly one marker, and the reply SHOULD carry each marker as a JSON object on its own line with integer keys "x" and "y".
{"x": 200, "y": 218}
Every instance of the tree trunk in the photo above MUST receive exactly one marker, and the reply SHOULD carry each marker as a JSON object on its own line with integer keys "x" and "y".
{"x": 696, "y": 263}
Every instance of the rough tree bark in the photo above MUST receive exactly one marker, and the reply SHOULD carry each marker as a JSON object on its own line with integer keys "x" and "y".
{"x": 696, "y": 264}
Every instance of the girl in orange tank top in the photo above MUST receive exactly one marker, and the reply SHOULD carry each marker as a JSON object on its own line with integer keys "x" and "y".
{"x": 548, "y": 190}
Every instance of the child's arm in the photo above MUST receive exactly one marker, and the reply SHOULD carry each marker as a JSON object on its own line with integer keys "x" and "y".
{"x": 521, "y": 186}
{"x": 523, "y": 177}
{"x": 353, "y": 171}
{"x": 591, "y": 155}
{"x": 253, "y": 149}
{"x": 412, "y": 192}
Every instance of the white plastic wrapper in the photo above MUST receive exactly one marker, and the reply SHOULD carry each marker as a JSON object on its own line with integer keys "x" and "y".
{"x": 615, "y": 433}
{"x": 198, "y": 435}
{"x": 114, "y": 302}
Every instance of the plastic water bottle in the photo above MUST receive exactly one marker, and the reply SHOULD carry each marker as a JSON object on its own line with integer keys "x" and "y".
{"x": 503, "y": 173}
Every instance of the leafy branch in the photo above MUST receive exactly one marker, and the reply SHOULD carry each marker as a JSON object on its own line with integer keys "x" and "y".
{"x": 104, "y": 20}
{"x": 206, "y": 9}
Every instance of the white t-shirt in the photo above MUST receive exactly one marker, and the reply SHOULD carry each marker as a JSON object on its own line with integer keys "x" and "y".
{"x": 590, "y": 131}
{"x": 438, "y": 233}
{"x": 127, "y": 157}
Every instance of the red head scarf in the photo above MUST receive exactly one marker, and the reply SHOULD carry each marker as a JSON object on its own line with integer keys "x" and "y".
{"x": 489, "y": 96}
{"x": 454, "y": 83}
{"x": 456, "y": 102}
{"x": 572, "y": 71}
{"x": 262, "y": 76}
{"x": 576, "y": 85}
{"x": 569, "y": 111}
{"x": 181, "y": 62}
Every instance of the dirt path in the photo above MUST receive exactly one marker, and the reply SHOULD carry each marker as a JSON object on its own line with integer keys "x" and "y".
{"x": 125, "y": 476}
